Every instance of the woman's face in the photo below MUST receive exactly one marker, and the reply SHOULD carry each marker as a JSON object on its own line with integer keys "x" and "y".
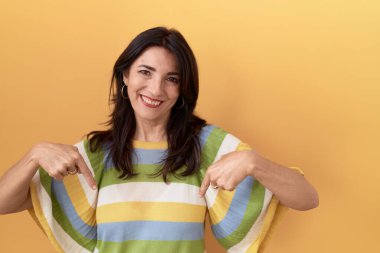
{"x": 153, "y": 85}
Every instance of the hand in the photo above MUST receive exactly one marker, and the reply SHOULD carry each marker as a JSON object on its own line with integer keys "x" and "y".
{"x": 229, "y": 171}
{"x": 59, "y": 159}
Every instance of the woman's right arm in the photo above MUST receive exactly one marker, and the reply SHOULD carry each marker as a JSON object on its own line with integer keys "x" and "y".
{"x": 54, "y": 158}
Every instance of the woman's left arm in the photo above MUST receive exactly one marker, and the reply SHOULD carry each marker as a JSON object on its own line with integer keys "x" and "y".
{"x": 289, "y": 186}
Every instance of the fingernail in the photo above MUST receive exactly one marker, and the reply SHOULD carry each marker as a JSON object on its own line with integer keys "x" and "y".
{"x": 94, "y": 187}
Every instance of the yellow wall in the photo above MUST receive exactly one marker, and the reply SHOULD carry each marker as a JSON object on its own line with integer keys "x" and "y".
{"x": 298, "y": 80}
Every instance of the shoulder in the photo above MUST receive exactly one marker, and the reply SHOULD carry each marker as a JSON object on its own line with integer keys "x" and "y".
{"x": 216, "y": 134}
{"x": 211, "y": 133}
{"x": 213, "y": 139}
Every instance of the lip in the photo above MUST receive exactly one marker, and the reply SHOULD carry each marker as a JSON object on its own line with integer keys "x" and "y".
{"x": 152, "y": 99}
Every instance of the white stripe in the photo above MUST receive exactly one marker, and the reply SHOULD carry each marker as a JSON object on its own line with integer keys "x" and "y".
{"x": 90, "y": 193}
{"x": 211, "y": 195}
{"x": 150, "y": 192}
{"x": 229, "y": 144}
{"x": 255, "y": 230}
{"x": 62, "y": 238}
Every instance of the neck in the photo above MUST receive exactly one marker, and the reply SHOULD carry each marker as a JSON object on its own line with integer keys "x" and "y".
{"x": 150, "y": 131}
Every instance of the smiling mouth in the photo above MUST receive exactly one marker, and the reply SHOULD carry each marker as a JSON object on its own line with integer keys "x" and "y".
{"x": 150, "y": 102}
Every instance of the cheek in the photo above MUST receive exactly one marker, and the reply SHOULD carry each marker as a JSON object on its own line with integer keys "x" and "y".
{"x": 130, "y": 92}
{"x": 174, "y": 92}
{"x": 134, "y": 87}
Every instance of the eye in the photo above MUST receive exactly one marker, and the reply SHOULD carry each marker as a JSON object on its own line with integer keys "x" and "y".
{"x": 145, "y": 72}
{"x": 173, "y": 79}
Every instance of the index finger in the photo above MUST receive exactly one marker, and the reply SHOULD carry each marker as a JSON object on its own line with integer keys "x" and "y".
{"x": 204, "y": 186}
{"x": 86, "y": 172}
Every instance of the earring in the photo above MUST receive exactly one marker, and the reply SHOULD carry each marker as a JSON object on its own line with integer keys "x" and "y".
{"x": 183, "y": 104}
{"x": 122, "y": 92}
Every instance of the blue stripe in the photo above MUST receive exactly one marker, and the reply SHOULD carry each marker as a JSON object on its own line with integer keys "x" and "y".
{"x": 148, "y": 156}
{"x": 236, "y": 211}
{"x": 59, "y": 191}
{"x": 150, "y": 230}
{"x": 204, "y": 134}
{"x": 139, "y": 156}
{"x": 107, "y": 160}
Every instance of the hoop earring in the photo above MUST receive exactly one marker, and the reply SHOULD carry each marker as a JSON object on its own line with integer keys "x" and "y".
{"x": 183, "y": 104}
{"x": 122, "y": 92}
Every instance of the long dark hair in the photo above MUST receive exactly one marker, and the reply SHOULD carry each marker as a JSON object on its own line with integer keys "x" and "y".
{"x": 183, "y": 126}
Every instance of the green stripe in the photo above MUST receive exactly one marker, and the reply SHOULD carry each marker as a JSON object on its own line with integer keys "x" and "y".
{"x": 96, "y": 160}
{"x": 45, "y": 180}
{"x": 136, "y": 246}
{"x": 111, "y": 176}
{"x": 254, "y": 207}
{"x": 62, "y": 220}
{"x": 211, "y": 148}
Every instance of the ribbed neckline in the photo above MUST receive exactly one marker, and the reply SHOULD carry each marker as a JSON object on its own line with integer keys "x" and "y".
{"x": 150, "y": 144}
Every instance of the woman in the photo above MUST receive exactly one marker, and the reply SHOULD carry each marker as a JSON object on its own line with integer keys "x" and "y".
{"x": 143, "y": 184}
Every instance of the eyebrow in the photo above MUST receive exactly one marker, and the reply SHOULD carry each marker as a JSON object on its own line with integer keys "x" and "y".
{"x": 153, "y": 69}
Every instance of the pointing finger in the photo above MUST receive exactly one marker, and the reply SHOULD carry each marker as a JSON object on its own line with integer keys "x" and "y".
{"x": 86, "y": 172}
{"x": 204, "y": 186}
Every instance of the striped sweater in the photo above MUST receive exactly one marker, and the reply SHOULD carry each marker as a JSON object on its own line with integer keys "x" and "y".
{"x": 143, "y": 214}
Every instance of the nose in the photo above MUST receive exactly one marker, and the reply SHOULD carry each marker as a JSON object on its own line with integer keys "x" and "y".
{"x": 157, "y": 87}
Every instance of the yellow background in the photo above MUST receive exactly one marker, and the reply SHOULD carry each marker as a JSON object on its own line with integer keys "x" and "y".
{"x": 298, "y": 80}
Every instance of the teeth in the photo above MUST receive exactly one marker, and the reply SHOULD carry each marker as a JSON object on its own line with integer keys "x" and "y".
{"x": 151, "y": 102}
